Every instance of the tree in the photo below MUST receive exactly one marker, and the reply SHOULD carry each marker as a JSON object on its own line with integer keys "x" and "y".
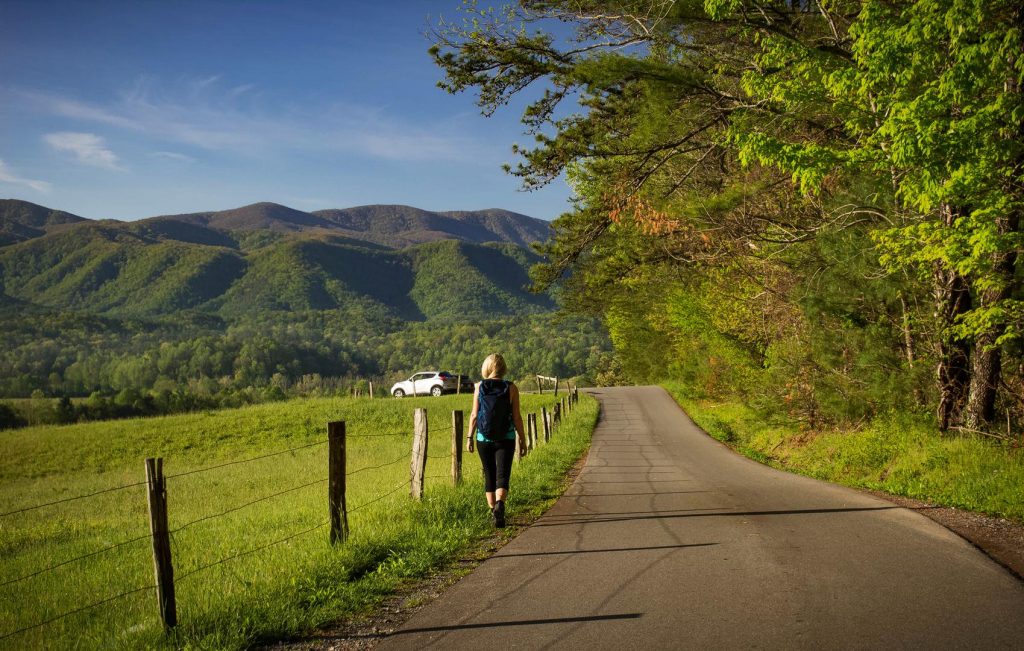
{"x": 723, "y": 139}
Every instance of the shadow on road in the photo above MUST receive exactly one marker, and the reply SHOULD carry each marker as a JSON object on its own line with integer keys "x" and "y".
{"x": 590, "y": 519}
{"x": 626, "y": 494}
{"x": 524, "y": 622}
{"x": 600, "y": 551}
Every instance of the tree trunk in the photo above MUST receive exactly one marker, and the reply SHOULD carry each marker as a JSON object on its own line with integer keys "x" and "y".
{"x": 908, "y": 348}
{"x": 952, "y": 298}
{"x": 987, "y": 361}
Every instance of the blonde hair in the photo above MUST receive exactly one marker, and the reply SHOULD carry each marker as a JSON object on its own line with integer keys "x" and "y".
{"x": 494, "y": 367}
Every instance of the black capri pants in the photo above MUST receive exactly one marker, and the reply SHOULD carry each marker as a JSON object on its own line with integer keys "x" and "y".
{"x": 497, "y": 461}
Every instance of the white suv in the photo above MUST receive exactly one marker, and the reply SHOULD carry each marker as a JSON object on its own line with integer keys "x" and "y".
{"x": 431, "y": 382}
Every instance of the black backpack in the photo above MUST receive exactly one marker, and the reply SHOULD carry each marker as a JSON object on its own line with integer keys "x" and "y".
{"x": 494, "y": 415}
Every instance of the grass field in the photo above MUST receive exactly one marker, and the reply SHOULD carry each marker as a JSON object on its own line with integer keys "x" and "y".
{"x": 266, "y": 592}
{"x": 898, "y": 454}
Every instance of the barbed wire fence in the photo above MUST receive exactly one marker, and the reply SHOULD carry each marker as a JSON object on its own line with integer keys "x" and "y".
{"x": 162, "y": 536}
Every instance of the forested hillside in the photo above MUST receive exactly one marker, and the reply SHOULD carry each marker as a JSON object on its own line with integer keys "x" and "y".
{"x": 265, "y": 299}
{"x": 813, "y": 207}
{"x": 270, "y": 258}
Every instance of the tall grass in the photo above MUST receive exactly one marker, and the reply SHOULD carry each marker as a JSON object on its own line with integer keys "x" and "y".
{"x": 896, "y": 453}
{"x": 276, "y": 591}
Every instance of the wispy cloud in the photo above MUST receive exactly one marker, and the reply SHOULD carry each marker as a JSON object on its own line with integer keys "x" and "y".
{"x": 172, "y": 155}
{"x": 7, "y": 175}
{"x": 211, "y": 114}
{"x": 87, "y": 148}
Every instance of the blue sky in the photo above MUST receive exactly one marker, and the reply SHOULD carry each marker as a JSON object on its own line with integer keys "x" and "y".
{"x": 131, "y": 109}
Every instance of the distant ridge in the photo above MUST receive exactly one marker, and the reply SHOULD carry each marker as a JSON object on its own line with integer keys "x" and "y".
{"x": 257, "y": 216}
{"x": 394, "y": 226}
{"x": 21, "y": 220}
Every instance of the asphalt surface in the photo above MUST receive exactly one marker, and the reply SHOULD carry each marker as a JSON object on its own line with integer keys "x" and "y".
{"x": 669, "y": 540}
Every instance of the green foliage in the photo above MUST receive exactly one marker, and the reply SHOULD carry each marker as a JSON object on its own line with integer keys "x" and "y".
{"x": 454, "y": 280}
{"x": 174, "y": 367}
{"x": 813, "y": 206}
{"x": 113, "y": 270}
{"x": 896, "y": 453}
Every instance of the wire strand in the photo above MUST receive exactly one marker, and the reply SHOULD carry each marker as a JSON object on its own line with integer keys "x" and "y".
{"x": 77, "y": 558}
{"x": 250, "y": 551}
{"x": 71, "y": 499}
{"x": 233, "y": 463}
{"x": 404, "y": 484}
{"x": 242, "y": 506}
{"x": 77, "y": 610}
{"x": 372, "y": 436}
{"x": 383, "y": 465}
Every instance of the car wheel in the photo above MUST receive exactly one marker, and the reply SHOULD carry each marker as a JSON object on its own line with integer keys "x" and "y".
{"x": 436, "y": 391}
{"x": 398, "y": 393}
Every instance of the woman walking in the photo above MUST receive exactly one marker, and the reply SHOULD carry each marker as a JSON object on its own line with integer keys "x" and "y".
{"x": 494, "y": 424}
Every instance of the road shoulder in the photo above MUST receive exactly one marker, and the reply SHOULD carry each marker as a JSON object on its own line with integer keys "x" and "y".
{"x": 1000, "y": 539}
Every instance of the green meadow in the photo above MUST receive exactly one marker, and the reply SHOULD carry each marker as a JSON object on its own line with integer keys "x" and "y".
{"x": 267, "y": 517}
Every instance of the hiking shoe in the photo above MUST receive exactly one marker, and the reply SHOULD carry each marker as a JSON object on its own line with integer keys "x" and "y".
{"x": 499, "y": 514}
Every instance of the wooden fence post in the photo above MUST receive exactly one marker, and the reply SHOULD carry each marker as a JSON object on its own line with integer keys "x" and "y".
{"x": 457, "y": 447}
{"x": 562, "y": 412}
{"x": 164, "y": 570}
{"x": 519, "y": 449}
{"x": 371, "y": 388}
{"x": 545, "y": 423}
{"x": 556, "y": 385}
{"x": 531, "y": 429}
{"x": 458, "y": 387}
{"x": 540, "y": 387}
{"x": 419, "y": 455}
{"x": 336, "y": 481}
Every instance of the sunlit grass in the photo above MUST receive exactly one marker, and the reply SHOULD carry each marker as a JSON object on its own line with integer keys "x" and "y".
{"x": 897, "y": 454}
{"x": 280, "y": 590}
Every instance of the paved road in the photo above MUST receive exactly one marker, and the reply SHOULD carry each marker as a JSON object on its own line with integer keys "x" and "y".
{"x": 668, "y": 540}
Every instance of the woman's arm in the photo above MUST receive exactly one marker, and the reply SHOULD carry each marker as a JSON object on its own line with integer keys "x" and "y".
{"x": 517, "y": 420}
{"x": 471, "y": 436}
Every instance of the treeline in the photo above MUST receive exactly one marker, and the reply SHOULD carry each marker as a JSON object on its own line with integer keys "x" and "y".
{"x": 117, "y": 369}
{"x": 814, "y": 206}
{"x": 127, "y": 403}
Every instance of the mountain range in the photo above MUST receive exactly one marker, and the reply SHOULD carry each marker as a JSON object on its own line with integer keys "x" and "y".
{"x": 397, "y": 261}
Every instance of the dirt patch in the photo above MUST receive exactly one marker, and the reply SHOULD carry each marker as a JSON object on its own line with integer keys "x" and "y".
{"x": 364, "y": 632}
{"x": 1000, "y": 539}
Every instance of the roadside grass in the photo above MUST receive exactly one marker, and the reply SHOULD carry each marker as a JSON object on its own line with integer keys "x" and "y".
{"x": 896, "y": 453}
{"x": 263, "y": 593}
